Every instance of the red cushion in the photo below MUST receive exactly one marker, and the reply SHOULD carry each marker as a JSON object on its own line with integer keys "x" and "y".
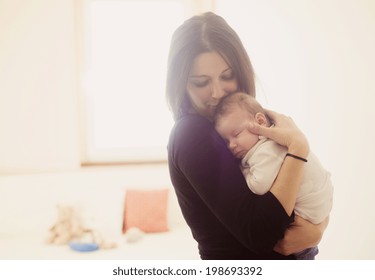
{"x": 146, "y": 210}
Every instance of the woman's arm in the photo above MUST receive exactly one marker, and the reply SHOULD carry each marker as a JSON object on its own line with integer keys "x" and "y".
{"x": 286, "y": 133}
{"x": 301, "y": 235}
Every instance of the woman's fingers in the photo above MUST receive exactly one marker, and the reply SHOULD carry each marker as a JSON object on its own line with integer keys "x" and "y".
{"x": 284, "y": 132}
{"x": 278, "y": 118}
{"x": 272, "y": 115}
{"x": 259, "y": 129}
{"x": 300, "y": 235}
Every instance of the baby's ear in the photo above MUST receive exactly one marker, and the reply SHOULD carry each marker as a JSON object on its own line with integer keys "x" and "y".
{"x": 261, "y": 119}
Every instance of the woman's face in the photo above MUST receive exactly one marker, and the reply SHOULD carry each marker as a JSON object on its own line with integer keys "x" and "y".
{"x": 210, "y": 79}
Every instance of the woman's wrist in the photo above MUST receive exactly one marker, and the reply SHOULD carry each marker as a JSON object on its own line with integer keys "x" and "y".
{"x": 296, "y": 157}
{"x": 299, "y": 149}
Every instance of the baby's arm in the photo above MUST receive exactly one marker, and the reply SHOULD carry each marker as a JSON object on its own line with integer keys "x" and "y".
{"x": 263, "y": 166}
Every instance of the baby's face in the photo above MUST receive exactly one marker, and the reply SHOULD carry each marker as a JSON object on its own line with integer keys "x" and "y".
{"x": 233, "y": 129}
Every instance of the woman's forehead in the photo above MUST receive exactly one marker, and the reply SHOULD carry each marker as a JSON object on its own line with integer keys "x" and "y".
{"x": 208, "y": 64}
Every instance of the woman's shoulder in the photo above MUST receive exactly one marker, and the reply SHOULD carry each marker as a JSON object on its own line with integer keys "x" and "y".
{"x": 191, "y": 131}
{"x": 192, "y": 125}
{"x": 192, "y": 119}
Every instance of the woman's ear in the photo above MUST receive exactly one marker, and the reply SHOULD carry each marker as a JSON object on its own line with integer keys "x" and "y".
{"x": 261, "y": 119}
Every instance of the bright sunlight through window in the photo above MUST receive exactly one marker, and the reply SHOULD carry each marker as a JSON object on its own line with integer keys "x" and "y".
{"x": 124, "y": 72}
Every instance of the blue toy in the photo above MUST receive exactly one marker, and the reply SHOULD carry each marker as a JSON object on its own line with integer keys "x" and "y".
{"x": 83, "y": 247}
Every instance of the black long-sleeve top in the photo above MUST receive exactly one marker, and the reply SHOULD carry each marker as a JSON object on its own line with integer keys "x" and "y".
{"x": 226, "y": 219}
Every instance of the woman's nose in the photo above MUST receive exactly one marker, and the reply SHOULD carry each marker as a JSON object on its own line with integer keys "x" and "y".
{"x": 217, "y": 91}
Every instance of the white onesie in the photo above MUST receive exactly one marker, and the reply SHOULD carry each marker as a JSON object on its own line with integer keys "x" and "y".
{"x": 261, "y": 165}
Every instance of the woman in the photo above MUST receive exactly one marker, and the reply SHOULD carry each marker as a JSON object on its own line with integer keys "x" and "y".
{"x": 207, "y": 61}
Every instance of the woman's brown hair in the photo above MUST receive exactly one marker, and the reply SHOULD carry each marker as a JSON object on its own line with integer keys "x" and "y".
{"x": 204, "y": 33}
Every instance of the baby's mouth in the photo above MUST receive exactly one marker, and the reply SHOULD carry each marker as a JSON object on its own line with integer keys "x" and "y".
{"x": 239, "y": 154}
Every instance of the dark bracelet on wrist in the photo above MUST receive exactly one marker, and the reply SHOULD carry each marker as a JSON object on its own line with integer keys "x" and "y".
{"x": 296, "y": 157}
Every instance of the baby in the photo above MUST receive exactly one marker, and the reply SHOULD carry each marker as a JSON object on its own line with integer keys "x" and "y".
{"x": 261, "y": 158}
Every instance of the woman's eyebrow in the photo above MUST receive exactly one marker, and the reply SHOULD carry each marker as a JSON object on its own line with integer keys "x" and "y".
{"x": 205, "y": 76}
{"x": 198, "y": 76}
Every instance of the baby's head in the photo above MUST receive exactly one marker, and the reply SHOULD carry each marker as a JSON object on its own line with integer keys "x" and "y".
{"x": 232, "y": 117}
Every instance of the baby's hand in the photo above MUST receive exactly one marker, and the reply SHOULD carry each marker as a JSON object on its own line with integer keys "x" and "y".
{"x": 285, "y": 132}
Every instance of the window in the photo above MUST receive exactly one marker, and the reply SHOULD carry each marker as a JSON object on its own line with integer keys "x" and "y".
{"x": 124, "y": 55}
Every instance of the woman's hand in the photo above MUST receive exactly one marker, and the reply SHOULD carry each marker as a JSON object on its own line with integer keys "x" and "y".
{"x": 285, "y": 132}
{"x": 288, "y": 181}
{"x": 301, "y": 235}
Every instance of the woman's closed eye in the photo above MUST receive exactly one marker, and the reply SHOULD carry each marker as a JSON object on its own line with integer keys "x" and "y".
{"x": 227, "y": 75}
{"x": 202, "y": 84}
{"x": 199, "y": 82}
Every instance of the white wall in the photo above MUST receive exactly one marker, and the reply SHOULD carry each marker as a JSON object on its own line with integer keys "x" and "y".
{"x": 315, "y": 61}
{"x": 38, "y": 86}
